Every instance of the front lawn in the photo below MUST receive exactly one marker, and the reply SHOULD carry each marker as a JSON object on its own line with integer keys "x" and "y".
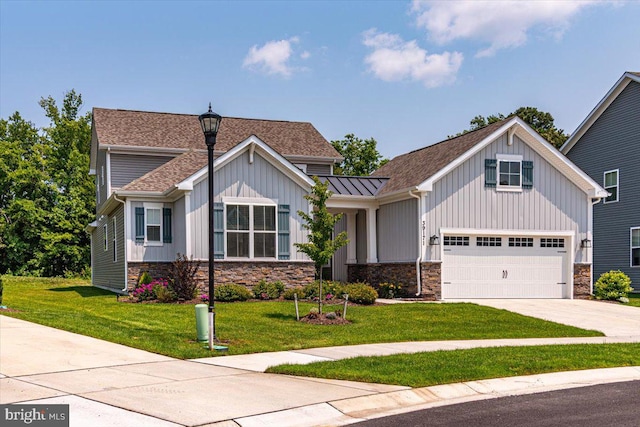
{"x": 169, "y": 329}
{"x": 444, "y": 367}
{"x": 634, "y": 299}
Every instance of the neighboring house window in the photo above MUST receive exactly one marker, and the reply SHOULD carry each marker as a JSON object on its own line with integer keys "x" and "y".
{"x": 105, "y": 237}
{"x": 115, "y": 246}
{"x": 611, "y": 181}
{"x": 251, "y": 231}
{"x": 635, "y": 247}
{"x": 153, "y": 224}
{"x": 508, "y": 172}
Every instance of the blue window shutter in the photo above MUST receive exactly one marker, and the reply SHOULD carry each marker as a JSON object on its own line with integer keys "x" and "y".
{"x": 218, "y": 231}
{"x": 490, "y": 172}
{"x": 166, "y": 225}
{"x": 283, "y": 232}
{"x": 527, "y": 174}
{"x": 139, "y": 225}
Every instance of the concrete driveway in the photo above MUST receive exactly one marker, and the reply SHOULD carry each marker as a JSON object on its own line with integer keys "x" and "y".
{"x": 614, "y": 320}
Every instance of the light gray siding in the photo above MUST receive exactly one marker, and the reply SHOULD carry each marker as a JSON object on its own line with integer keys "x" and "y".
{"x": 461, "y": 200}
{"x": 241, "y": 179}
{"x": 398, "y": 231}
{"x": 127, "y": 167}
{"x": 361, "y": 236}
{"x": 143, "y": 252}
{"x": 106, "y": 272}
{"x": 613, "y": 142}
{"x": 179, "y": 226}
{"x": 313, "y": 169}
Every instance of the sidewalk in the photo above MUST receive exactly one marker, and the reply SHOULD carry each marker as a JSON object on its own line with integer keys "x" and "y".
{"x": 108, "y": 384}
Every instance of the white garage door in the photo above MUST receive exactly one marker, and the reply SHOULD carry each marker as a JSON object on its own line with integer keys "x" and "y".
{"x": 504, "y": 267}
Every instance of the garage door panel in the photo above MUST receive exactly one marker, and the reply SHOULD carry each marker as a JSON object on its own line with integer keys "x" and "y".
{"x": 504, "y": 272}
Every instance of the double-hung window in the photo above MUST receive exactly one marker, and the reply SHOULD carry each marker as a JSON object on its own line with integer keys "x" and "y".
{"x": 105, "y": 237}
{"x": 251, "y": 231}
{"x": 635, "y": 247}
{"x": 114, "y": 240}
{"x": 509, "y": 172}
{"x": 611, "y": 184}
{"x": 153, "y": 224}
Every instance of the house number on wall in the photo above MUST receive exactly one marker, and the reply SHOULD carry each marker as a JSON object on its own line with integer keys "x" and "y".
{"x": 424, "y": 235}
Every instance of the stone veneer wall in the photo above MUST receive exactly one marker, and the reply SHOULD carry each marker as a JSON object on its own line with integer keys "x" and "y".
{"x": 581, "y": 281}
{"x": 431, "y": 279}
{"x": 398, "y": 273}
{"x": 243, "y": 273}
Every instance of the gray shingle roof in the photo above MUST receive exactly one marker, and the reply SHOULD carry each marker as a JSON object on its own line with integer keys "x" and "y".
{"x": 411, "y": 169}
{"x": 171, "y": 173}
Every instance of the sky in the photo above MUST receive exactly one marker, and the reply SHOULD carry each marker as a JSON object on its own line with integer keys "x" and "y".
{"x": 407, "y": 73}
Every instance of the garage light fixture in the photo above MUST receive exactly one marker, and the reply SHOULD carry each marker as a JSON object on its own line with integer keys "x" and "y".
{"x": 434, "y": 240}
{"x": 585, "y": 243}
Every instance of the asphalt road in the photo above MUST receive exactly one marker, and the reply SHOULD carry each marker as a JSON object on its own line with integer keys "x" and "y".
{"x": 616, "y": 404}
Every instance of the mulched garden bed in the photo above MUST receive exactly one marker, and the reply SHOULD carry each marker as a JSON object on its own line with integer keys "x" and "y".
{"x": 321, "y": 319}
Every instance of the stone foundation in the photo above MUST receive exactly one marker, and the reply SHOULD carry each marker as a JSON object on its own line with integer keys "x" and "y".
{"x": 431, "y": 278}
{"x": 403, "y": 274}
{"x": 581, "y": 281}
{"x": 242, "y": 273}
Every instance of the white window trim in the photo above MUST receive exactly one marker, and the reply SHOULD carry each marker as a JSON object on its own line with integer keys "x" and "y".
{"x": 146, "y": 240}
{"x": 115, "y": 240}
{"x": 254, "y": 202}
{"x": 604, "y": 181}
{"x": 631, "y": 247}
{"x": 105, "y": 236}
{"x": 508, "y": 158}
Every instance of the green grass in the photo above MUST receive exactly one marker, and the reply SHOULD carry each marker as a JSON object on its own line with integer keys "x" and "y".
{"x": 634, "y": 300}
{"x": 443, "y": 367}
{"x": 169, "y": 329}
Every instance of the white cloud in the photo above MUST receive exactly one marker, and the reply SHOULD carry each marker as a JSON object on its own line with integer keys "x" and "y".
{"x": 501, "y": 24}
{"x": 393, "y": 59}
{"x": 272, "y": 58}
{"x": 305, "y": 55}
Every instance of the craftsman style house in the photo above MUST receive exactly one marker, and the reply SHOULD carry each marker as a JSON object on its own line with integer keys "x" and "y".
{"x": 496, "y": 213}
{"x": 606, "y": 146}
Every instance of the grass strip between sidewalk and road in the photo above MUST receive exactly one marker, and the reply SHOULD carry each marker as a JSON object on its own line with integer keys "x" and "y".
{"x": 444, "y": 367}
{"x": 252, "y": 327}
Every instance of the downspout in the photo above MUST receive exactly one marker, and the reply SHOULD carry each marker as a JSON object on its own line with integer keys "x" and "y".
{"x": 124, "y": 224}
{"x": 419, "y": 259}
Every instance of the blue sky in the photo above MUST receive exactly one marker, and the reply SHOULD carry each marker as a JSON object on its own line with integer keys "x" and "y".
{"x": 406, "y": 73}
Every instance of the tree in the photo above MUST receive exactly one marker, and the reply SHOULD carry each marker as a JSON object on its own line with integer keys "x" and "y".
{"x": 320, "y": 223}
{"x": 361, "y": 157}
{"x": 541, "y": 121}
{"x": 48, "y": 195}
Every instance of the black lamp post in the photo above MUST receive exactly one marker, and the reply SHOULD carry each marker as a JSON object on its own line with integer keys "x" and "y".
{"x": 210, "y": 123}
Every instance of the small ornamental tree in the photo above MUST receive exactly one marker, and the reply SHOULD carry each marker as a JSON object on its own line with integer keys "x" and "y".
{"x": 322, "y": 245}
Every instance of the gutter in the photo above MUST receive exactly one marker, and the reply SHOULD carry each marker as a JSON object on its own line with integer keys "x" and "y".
{"x": 124, "y": 224}
{"x": 418, "y": 279}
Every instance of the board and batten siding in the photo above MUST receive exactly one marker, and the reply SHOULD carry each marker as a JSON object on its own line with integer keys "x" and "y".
{"x": 613, "y": 142}
{"x": 461, "y": 200}
{"x": 127, "y": 167}
{"x": 242, "y": 179}
{"x": 398, "y": 231}
{"x": 106, "y": 273}
{"x": 166, "y": 252}
{"x": 339, "y": 262}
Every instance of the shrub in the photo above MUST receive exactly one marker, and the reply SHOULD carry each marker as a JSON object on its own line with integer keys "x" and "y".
{"x": 361, "y": 293}
{"x": 389, "y": 290}
{"x": 289, "y": 293}
{"x": 145, "y": 278}
{"x": 336, "y": 289}
{"x": 264, "y": 290}
{"x": 230, "y": 292}
{"x": 182, "y": 277}
{"x": 612, "y": 285}
{"x": 149, "y": 291}
{"x": 164, "y": 293}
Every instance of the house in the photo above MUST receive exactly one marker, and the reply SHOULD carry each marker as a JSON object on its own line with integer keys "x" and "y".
{"x": 606, "y": 145}
{"x": 494, "y": 213}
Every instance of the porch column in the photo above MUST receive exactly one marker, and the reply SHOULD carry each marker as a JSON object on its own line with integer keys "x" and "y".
{"x": 372, "y": 245}
{"x": 351, "y": 235}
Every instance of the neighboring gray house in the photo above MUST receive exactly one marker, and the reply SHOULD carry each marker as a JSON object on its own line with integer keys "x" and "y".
{"x": 494, "y": 213}
{"x": 606, "y": 146}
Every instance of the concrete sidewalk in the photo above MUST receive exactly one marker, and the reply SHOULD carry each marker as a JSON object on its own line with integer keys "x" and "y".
{"x": 107, "y": 384}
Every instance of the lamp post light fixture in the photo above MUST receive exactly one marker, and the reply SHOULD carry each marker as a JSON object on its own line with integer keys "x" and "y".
{"x": 210, "y": 123}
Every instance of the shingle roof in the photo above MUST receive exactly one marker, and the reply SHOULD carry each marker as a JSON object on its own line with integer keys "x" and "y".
{"x": 182, "y": 131}
{"x": 354, "y": 185}
{"x": 171, "y": 173}
{"x": 411, "y": 169}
